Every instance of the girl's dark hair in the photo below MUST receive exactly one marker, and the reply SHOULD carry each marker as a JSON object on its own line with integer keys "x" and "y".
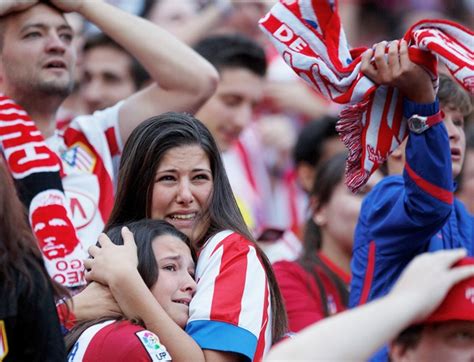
{"x": 330, "y": 174}
{"x": 142, "y": 154}
{"x": 20, "y": 257}
{"x": 144, "y": 232}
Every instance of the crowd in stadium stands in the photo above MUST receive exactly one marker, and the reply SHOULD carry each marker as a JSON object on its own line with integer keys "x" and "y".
{"x": 176, "y": 185}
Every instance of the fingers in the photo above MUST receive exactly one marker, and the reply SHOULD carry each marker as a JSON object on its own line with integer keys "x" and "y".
{"x": 88, "y": 263}
{"x": 380, "y": 61}
{"x": 127, "y": 235}
{"x": 460, "y": 273}
{"x": 104, "y": 240}
{"x": 446, "y": 258}
{"x": 367, "y": 66}
{"x": 394, "y": 57}
{"x": 405, "y": 61}
{"x": 93, "y": 250}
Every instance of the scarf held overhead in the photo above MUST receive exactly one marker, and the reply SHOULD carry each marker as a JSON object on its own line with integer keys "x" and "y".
{"x": 309, "y": 36}
{"x": 37, "y": 173}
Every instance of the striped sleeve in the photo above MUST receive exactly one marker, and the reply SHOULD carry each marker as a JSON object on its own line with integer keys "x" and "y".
{"x": 230, "y": 311}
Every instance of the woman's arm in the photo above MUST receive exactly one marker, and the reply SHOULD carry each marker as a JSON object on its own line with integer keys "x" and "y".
{"x": 420, "y": 289}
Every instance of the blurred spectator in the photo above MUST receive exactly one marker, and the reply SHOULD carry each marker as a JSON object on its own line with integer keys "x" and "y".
{"x": 110, "y": 74}
{"x": 317, "y": 142}
{"x": 189, "y": 20}
{"x": 316, "y": 285}
{"x": 241, "y": 64}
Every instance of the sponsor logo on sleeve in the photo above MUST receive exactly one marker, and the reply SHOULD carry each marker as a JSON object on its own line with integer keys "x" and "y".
{"x": 153, "y": 347}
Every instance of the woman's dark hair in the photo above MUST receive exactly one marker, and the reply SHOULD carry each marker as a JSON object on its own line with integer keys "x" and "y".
{"x": 144, "y": 232}
{"x": 20, "y": 257}
{"x": 330, "y": 174}
{"x": 142, "y": 154}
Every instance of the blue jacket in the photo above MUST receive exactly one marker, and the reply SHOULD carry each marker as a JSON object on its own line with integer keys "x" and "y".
{"x": 404, "y": 216}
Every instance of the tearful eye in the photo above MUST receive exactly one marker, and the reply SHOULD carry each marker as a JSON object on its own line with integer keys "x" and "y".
{"x": 170, "y": 267}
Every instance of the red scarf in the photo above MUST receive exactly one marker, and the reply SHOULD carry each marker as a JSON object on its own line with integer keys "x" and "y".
{"x": 37, "y": 172}
{"x": 309, "y": 36}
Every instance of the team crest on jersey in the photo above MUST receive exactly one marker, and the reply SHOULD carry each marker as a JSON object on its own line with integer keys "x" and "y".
{"x": 3, "y": 341}
{"x": 80, "y": 157}
{"x": 155, "y": 350}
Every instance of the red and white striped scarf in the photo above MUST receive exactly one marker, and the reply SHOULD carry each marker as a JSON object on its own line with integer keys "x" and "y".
{"x": 309, "y": 36}
{"x": 37, "y": 172}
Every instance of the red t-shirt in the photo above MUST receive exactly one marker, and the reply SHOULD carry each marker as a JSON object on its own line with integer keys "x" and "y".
{"x": 301, "y": 293}
{"x": 118, "y": 341}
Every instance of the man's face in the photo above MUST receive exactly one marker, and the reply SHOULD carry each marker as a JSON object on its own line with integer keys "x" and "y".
{"x": 107, "y": 77}
{"x": 448, "y": 341}
{"x": 454, "y": 122}
{"x": 37, "y": 55}
{"x": 230, "y": 109}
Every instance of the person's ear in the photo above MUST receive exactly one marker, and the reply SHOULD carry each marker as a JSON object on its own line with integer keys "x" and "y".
{"x": 318, "y": 211}
{"x": 398, "y": 353}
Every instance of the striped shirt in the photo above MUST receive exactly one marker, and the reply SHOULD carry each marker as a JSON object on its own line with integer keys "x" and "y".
{"x": 231, "y": 310}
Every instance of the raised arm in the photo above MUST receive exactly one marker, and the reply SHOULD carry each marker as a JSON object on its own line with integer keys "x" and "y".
{"x": 419, "y": 204}
{"x": 183, "y": 79}
{"x": 420, "y": 289}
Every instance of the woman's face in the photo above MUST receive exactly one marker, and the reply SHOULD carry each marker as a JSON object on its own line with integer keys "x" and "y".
{"x": 175, "y": 286}
{"x": 338, "y": 218}
{"x": 182, "y": 189}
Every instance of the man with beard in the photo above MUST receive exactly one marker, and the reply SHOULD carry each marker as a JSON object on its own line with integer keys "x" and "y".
{"x": 67, "y": 177}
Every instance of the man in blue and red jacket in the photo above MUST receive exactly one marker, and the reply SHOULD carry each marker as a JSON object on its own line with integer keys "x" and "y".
{"x": 405, "y": 215}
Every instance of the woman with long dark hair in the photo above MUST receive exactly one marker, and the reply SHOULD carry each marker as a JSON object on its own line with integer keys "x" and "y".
{"x": 29, "y": 325}
{"x": 316, "y": 285}
{"x": 171, "y": 169}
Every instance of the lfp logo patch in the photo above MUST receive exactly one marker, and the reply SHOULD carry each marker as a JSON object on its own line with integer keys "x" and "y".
{"x": 3, "y": 341}
{"x": 151, "y": 342}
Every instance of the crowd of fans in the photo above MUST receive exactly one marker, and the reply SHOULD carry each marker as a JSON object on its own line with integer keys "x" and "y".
{"x": 171, "y": 189}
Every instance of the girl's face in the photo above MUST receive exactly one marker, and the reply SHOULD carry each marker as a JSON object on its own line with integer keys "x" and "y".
{"x": 175, "y": 286}
{"x": 182, "y": 189}
{"x": 338, "y": 218}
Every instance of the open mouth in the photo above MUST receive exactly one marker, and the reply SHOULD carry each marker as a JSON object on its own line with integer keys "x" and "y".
{"x": 55, "y": 64}
{"x": 182, "y": 301}
{"x": 190, "y": 216}
{"x": 455, "y": 152}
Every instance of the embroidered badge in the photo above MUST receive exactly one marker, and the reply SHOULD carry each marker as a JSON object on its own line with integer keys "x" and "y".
{"x": 155, "y": 350}
{"x": 3, "y": 341}
{"x": 80, "y": 157}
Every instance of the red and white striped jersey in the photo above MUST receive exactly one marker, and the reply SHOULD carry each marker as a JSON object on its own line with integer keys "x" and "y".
{"x": 87, "y": 149}
{"x": 231, "y": 310}
{"x": 119, "y": 342}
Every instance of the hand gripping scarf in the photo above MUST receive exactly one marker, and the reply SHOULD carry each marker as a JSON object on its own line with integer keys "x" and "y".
{"x": 309, "y": 36}
{"x": 37, "y": 173}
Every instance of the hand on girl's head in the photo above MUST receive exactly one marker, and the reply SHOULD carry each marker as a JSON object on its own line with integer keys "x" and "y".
{"x": 110, "y": 261}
